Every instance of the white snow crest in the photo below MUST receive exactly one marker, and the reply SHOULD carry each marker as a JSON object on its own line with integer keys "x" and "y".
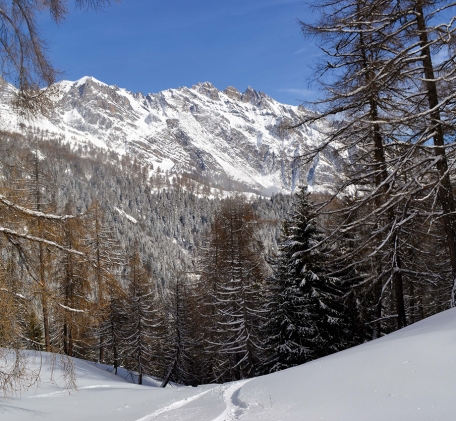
{"x": 129, "y": 217}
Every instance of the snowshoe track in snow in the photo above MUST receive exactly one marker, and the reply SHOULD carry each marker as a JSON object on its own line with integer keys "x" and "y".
{"x": 229, "y": 393}
{"x": 172, "y": 406}
{"x": 234, "y": 406}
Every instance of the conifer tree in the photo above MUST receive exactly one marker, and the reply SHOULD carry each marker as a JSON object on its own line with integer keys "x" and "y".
{"x": 235, "y": 299}
{"x": 207, "y": 289}
{"x": 115, "y": 319}
{"x": 394, "y": 102}
{"x": 181, "y": 338}
{"x": 106, "y": 258}
{"x": 36, "y": 195}
{"x": 24, "y": 61}
{"x": 75, "y": 289}
{"x": 34, "y": 332}
{"x": 144, "y": 324}
{"x": 305, "y": 316}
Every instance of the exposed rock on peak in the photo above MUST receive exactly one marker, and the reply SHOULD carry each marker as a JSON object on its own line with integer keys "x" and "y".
{"x": 206, "y": 88}
{"x": 232, "y": 93}
{"x": 228, "y": 143}
{"x": 252, "y": 96}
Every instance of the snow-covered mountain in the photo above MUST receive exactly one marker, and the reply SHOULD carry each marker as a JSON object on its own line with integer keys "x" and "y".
{"x": 405, "y": 376}
{"x": 226, "y": 137}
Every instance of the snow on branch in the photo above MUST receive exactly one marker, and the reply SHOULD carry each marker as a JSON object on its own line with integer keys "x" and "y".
{"x": 8, "y": 203}
{"x": 75, "y": 310}
{"x": 12, "y": 233}
{"x": 16, "y": 294}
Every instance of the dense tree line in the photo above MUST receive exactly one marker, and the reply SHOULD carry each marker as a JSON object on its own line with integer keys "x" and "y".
{"x": 247, "y": 286}
{"x": 77, "y": 286}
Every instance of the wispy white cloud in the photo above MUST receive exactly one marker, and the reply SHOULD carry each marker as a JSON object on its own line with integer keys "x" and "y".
{"x": 298, "y": 91}
{"x": 300, "y": 51}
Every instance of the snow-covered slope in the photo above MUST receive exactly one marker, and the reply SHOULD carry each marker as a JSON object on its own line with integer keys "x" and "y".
{"x": 225, "y": 136}
{"x": 406, "y": 376}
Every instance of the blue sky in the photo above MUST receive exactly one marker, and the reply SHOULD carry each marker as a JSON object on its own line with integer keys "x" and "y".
{"x": 152, "y": 45}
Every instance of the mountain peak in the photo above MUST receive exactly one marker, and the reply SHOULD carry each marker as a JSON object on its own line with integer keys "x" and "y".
{"x": 252, "y": 96}
{"x": 232, "y": 93}
{"x": 207, "y": 89}
{"x": 230, "y": 139}
{"x": 88, "y": 79}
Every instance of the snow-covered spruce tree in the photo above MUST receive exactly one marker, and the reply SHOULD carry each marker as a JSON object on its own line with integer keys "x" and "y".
{"x": 285, "y": 322}
{"x": 234, "y": 292}
{"x": 305, "y": 318}
{"x": 143, "y": 329}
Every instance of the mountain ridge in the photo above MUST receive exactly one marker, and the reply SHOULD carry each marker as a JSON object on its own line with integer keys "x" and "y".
{"x": 224, "y": 137}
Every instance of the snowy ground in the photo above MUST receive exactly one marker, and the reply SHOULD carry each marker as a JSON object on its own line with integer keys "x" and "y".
{"x": 409, "y": 376}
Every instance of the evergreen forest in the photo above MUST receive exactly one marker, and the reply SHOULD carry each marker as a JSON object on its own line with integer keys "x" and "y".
{"x": 107, "y": 259}
{"x": 170, "y": 278}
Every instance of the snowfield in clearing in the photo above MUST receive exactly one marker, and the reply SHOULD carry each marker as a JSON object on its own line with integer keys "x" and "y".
{"x": 409, "y": 375}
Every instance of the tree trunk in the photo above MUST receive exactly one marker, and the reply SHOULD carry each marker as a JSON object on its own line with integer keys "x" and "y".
{"x": 171, "y": 371}
{"x": 381, "y": 177}
{"x": 44, "y": 301}
{"x": 445, "y": 189}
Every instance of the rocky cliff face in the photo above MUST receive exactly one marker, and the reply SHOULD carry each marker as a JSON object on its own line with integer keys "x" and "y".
{"x": 227, "y": 137}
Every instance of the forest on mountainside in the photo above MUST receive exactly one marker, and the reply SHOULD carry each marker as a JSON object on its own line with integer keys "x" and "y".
{"x": 115, "y": 216}
{"x": 148, "y": 272}
{"x": 105, "y": 260}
